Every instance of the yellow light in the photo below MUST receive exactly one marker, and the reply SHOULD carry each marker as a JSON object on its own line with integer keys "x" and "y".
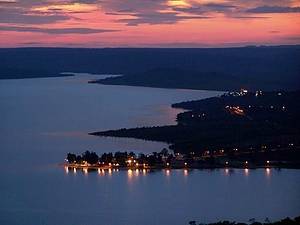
{"x": 185, "y": 164}
{"x": 109, "y": 164}
{"x": 99, "y": 171}
{"x": 74, "y": 170}
{"x": 246, "y": 172}
{"x": 168, "y": 164}
{"x": 246, "y": 162}
{"x": 109, "y": 171}
{"x": 137, "y": 164}
{"x": 129, "y": 173}
{"x": 268, "y": 161}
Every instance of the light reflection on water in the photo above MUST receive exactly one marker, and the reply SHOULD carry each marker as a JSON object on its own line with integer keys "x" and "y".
{"x": 168, "y": 172}
{"x": 185, "y": 172}
{"x": 246, "y": 171}
{"x": 85, "y": 171}
{"x": 44, "y": 119}
{"x": 268, "y": 172}
{"x": 226, "y": 171}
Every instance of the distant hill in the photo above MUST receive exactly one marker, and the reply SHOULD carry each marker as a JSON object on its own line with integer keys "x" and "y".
{"x": 227, "y": 122}
{"x": 191, "y": 79}
{"x": 208, "y": 68}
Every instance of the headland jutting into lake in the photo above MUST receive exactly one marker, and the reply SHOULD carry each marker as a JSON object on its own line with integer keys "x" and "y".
{"x": 286, "y": 221}
{"x": 238, "y": 129}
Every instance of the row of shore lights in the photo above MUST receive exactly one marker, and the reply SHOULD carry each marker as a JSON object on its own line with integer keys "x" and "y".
{"x": 168, "y": 164}
{"x": 85, "y": 170}
{"x": 246, "y": 163}
{"x": 130, "y": 171}
{"x": 186, "y": 164}
{"x": 144, "y": 171}
{"x": 137, "y": 164}
{"x": 144, "y": 165}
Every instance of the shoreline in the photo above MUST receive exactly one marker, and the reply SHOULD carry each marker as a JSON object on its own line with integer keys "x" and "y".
{"x": 37, "y": 77}
{"x": 244, "y": 126}
{"x": 99, "y": 82}
{"x": 156, "y": 168}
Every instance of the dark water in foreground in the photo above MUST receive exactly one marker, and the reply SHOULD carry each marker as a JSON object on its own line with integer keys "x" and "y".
{"x": 42, "y": 119}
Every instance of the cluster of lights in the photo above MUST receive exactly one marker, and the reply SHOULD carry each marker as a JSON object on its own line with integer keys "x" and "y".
{"x": 199, "y": 115}
{"x": 137, "y": 172}
{"x": 134, "y": 162}
{"x": 242, "y": 92}
{"x": 258, "y": 93}
{"x": 130, "y": 171}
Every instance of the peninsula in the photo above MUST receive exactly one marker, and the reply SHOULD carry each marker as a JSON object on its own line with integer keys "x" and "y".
{"x": 238, "y": 127}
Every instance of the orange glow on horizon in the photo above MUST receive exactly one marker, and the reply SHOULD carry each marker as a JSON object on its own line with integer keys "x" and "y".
{"x": 170, "y": 23}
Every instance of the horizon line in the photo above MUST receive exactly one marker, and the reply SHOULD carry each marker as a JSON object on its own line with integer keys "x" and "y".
{"x": 154, "y": 47}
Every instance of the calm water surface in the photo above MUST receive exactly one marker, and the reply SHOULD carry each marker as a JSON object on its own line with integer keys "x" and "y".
{"x": 43, "y": 119}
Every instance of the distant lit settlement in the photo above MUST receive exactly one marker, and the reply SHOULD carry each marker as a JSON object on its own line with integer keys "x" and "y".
{"x": 280, "y": 148}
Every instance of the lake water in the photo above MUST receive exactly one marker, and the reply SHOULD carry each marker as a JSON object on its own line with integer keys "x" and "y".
{"x": 43, "y": 119}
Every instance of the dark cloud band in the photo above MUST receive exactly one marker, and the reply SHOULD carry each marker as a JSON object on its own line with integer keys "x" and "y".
{"x": 55, "y": 31}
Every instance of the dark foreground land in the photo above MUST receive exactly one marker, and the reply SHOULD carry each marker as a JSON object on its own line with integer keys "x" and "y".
{"x": 237, "y": 127}
{"x": 268, "y": 68}
{"x": 286, "y": 221}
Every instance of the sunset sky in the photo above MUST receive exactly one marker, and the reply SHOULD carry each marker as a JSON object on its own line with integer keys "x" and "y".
{"x": 148, "y": 23}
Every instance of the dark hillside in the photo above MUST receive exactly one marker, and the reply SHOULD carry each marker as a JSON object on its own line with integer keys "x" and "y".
{"x": 266, "y": 67}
